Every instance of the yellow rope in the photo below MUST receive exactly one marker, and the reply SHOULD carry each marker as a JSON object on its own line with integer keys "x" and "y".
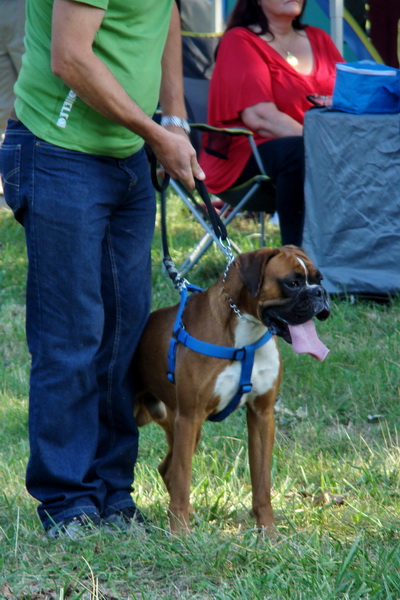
{"x": 201, "y": 35}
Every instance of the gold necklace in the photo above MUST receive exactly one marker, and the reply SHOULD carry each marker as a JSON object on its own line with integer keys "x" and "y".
{"x": 291, "y": 59}
{"x": 289, "y": 56}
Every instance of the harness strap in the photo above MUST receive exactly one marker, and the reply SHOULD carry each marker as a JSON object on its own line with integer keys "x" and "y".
{"x": 245, "y": 355}
{"x": 177, "y": 326}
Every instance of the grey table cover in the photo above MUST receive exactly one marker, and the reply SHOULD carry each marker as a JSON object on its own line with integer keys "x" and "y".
{"x": 352, "y": 191}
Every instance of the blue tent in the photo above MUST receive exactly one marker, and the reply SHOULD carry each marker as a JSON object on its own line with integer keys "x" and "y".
{"x": 356, "y": 44}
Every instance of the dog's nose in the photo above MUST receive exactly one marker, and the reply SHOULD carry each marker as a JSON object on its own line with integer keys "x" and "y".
{"x": 317, "y": 291}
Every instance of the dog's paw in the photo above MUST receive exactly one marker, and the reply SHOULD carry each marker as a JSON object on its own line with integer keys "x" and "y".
{"x": 268, "y": 533}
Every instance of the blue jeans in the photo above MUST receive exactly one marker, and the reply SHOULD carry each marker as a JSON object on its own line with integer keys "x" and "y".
{"x": 89, "y": 223}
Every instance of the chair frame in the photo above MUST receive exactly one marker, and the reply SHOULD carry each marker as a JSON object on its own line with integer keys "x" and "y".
{"x": 228, "y": 212}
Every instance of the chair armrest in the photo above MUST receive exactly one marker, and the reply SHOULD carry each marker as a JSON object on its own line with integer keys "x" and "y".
{"x": 229, "y": 130}
{"x": 233, "y": 131}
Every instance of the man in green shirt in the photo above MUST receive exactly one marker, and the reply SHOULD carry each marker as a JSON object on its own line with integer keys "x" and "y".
{"x": 76, "y": 176}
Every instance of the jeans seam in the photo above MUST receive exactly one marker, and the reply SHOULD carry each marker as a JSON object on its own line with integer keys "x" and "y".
{"x": 33, "y": 270}
{"x": 109, "y": 401}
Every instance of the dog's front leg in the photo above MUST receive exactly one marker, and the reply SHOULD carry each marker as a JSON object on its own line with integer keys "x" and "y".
{"x": 261, "y": 431}
{"x": 186, "y": 437}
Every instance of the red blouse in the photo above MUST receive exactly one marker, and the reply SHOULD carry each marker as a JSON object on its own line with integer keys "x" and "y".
{"x": 249, "y": 71}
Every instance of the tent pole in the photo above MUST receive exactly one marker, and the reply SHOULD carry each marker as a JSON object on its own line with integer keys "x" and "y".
{"x": 336, "y": 19}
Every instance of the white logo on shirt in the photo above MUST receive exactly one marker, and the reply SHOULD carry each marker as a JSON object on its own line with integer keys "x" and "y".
{"x": 66, "y": 109}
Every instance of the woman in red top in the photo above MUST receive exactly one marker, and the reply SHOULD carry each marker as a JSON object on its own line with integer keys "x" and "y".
{"x": 266, "y": 66}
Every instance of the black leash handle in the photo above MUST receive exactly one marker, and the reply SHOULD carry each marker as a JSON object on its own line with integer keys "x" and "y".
{"x": 216, "y": 221}
{"x": 160, "y": 187}
{"x": 168, "y": 263}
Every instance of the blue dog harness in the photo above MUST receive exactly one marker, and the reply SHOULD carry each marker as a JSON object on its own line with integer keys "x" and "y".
{"x": 245, "y": 355}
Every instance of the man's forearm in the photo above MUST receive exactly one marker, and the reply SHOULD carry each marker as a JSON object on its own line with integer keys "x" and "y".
{"x": 172, "y": 93}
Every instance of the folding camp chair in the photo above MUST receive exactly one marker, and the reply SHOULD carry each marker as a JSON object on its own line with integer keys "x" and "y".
{"x": 256, "y": 195}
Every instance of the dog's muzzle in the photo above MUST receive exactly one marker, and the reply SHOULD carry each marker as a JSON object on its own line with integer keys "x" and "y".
{"x": 311, "y": 301}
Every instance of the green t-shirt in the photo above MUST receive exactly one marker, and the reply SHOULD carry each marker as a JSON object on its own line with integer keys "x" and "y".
{"x": 130, "y": 42}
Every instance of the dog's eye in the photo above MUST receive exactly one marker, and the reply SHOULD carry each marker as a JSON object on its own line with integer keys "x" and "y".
{"x": 293, "y": 284}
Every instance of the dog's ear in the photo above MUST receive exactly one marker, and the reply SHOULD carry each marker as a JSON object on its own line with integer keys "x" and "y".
{"x": 293, "y": 249}
{"x": 251, "y": 267}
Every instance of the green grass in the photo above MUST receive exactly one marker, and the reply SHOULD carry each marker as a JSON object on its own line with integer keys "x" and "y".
{"x": 336, "y": 433}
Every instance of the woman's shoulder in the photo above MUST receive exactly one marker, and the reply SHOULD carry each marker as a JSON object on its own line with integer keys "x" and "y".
{"x": 323, "y": 44}
{"x": 243, "y": 39}
{"x": 237, "y": 33}
{"x": 317, "y": 34}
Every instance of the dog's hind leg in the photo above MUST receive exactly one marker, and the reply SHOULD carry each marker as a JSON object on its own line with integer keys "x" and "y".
{"x": 261, "y": 431}
{"x": 164, "y": 466}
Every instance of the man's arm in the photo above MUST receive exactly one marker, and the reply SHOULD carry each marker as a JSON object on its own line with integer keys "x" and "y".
{"x": 74, "y": 27}
{"x": 172, "y": 92}
{"x": 172, "y": 100}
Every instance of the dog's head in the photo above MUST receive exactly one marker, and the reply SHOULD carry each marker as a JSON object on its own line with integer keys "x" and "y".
{"x": 285, "y": 286}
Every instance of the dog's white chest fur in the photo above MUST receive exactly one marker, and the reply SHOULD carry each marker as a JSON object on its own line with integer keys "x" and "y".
{"x": 265, "y": 368}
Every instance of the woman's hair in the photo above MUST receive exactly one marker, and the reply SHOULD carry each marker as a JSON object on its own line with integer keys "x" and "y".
{"x": 249, "y": 12}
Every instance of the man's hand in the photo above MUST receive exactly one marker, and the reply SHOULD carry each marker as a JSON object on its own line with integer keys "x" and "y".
{"x": 177, "y": 155}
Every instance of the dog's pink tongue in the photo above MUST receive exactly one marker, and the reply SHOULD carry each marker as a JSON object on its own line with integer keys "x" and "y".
{"x": 306, "y": 341}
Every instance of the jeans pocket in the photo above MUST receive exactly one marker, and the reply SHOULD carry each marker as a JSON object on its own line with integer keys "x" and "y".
{"x": 10, "y": 170}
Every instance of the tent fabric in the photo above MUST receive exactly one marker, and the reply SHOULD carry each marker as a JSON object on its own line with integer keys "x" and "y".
{"x": 199, "y": 37}
{"x": 352, "y": 194}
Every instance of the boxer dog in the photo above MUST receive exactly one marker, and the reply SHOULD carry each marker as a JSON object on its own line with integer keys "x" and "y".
{"x": 269, "y": 289}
